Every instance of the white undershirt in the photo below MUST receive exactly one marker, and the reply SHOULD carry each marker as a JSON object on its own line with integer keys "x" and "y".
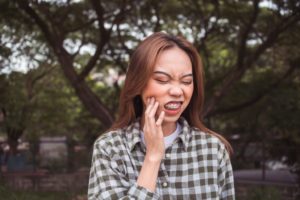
{"x": 168, "y": 140}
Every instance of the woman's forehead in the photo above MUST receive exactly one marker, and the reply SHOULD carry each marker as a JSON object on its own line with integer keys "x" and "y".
{"x": 174, "y": 57}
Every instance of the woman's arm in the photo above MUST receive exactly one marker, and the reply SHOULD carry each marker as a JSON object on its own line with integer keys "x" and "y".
{"x": 108, "y": 182}
{"x": 225, "y": 175}
{"x": 154, "y": 139}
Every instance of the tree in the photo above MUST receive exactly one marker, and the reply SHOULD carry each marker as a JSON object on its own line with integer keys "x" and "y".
{"x": 17, "y": 99}
{"x": 239, "y": 22}
{"x": 249, "y": 50}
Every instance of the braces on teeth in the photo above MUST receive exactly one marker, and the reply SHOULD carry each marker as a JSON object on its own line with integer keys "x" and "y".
{"x": 172, "y": 106}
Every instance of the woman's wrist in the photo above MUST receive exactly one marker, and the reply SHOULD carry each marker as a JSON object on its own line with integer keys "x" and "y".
{"x": 149, "y": 172}
{"x": 153, "y": 158}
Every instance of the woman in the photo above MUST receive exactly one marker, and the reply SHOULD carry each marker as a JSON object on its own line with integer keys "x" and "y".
{"x": 159, "y": 147}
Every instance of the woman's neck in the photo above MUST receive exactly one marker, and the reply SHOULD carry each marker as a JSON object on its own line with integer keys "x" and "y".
{"x": 168, "y": 128}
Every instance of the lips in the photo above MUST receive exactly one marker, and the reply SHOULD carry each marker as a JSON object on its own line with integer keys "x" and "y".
{"x": 173, "y": 108}
{"x": 173, "y": 105}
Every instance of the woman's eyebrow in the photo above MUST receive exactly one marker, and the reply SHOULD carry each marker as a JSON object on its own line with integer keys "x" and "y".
{"x": 187, "y": 75}
{"x": 164, "y": 73}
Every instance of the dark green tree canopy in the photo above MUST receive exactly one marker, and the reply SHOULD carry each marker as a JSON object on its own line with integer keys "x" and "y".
{"x": 250, "y": 50}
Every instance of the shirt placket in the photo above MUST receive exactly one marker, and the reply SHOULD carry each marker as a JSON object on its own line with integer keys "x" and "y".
{"x": 163, "y": 177}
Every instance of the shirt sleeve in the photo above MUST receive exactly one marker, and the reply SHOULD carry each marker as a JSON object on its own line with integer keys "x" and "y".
{"x": 106, "y": 181}
{"x": 225, "y": 175}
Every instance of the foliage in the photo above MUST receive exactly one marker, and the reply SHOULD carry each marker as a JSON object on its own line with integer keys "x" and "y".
{"x": 250, "y": 50}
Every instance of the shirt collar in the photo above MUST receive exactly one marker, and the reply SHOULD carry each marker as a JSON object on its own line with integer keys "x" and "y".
{"x": 133, "y": 132}
{"x": 185, "y": 134}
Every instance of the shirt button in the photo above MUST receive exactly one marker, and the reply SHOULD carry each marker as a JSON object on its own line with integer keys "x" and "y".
{"x": 168, "y": 155}
{"x": 165, "y": 184}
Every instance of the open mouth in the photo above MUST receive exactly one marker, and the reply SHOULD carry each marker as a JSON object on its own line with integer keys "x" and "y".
{"x": 173, "y": 107}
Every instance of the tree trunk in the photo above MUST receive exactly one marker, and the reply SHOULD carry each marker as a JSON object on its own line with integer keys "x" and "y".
{"x": 89, "y": 99}
{"x": 55, "y": 39}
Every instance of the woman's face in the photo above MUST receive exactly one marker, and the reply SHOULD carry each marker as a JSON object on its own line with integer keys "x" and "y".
{"x": 171, "y": 83}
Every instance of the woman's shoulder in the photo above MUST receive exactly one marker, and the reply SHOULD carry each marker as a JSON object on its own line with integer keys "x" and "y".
{"x": 204, "y": 139}
{"x": 109, "y": 138}
{"x": 201, "y": 136}
{"x": 209, "y": 138}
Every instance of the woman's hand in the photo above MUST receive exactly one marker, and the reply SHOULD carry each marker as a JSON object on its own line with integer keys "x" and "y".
{"x": 154, "y": 139}
{"x": 153, "y": 133}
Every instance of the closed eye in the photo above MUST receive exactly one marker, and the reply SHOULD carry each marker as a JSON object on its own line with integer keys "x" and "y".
{"x": 162, "y": 81}
{"x": 187, "y": 82}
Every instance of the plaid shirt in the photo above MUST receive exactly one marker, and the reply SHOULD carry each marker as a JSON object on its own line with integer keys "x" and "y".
{"x": 196, "y": 166}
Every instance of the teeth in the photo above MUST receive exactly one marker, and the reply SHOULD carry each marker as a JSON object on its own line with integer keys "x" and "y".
{"x": 172, "y": 106}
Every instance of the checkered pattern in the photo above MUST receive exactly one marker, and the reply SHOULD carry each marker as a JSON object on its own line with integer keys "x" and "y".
{"x": 196, "y": 166}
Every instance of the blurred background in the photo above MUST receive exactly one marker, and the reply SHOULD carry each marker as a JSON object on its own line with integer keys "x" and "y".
{"x": 63, "y": 63}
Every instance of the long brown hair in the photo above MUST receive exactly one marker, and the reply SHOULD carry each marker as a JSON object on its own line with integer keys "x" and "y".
{"x": 140, "y": 70}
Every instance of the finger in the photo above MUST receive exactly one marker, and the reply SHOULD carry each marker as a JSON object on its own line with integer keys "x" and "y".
{"x": 148, "y": 101}
{"x": 160, "y": 118}
{"x": 151, "y": 119}
{"x": 152, "y": 100}
{"x": 149, "y": 105}
{"x": 153, "y": 110}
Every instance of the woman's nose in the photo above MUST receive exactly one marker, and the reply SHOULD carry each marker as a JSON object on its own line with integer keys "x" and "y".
{"x": 176, "y": 90}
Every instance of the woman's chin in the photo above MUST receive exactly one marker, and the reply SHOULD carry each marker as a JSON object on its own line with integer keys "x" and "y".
{"x": 171, "y": 119}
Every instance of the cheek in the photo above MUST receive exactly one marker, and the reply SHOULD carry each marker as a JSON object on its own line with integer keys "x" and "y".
{"x": 147, "y": 92}
{"x": 189, "y": 95}
{"x": 189, "y": 92}
{"x": 152, "y": 90}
